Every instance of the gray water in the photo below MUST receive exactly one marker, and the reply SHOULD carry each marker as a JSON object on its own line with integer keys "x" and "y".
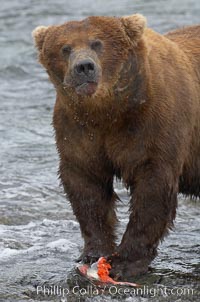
{"x": 39, "y": 236}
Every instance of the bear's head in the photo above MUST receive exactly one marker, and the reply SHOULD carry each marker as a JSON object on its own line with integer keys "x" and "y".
{"x": 91, "y": 57}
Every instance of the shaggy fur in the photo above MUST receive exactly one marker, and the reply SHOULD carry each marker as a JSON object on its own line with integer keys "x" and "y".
{"x": 142, "y": 124}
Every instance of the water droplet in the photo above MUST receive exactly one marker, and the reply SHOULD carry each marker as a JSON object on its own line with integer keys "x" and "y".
{"x": 91, "y": 136}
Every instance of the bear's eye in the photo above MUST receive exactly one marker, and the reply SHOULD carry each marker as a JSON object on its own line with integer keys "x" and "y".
{"x": 96, "y": 45}
{"x": 66, "y": 49}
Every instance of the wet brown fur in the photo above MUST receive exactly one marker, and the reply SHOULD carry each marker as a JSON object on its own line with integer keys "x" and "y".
{"x": 142, "y": 125}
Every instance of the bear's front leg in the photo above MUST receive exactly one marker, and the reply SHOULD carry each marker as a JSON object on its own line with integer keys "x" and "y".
{"x": 92, "y": 201}
{"x": 152, "y": 210}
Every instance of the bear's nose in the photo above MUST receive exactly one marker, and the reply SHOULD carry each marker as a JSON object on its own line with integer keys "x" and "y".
{"x": 85, "y": 68}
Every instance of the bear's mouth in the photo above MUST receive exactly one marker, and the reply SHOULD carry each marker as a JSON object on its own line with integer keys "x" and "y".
{"x": 87, "y": 88}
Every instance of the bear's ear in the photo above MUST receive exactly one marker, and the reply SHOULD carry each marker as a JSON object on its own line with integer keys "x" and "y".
{"x": 38, "y": 35}
{"x": 134, "y": 26}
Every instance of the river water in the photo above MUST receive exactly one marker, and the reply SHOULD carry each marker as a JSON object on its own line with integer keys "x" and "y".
{"x": 39, "y": 236}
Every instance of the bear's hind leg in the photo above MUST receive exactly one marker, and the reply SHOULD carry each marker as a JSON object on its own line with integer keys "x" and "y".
{"x": 189, "y": 182}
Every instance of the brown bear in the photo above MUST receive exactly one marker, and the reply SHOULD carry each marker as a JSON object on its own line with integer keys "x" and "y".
{"x": 127, "y": 106}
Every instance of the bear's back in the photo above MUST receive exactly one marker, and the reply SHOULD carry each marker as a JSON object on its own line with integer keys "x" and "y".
{"x": 188, "y": 39}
